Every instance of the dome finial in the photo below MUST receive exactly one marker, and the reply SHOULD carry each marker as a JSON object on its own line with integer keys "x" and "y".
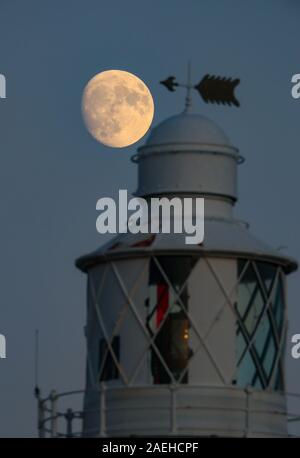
{"x": 188, "y": 99}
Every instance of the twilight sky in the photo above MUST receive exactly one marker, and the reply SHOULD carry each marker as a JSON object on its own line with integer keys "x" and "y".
{"x": 52, "y": 171}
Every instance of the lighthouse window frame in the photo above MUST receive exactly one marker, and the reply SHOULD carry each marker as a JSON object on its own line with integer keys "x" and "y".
{"x": 260, "y": 344}
{"x": 272, "y": 286}
{"x": 169, "y": 325}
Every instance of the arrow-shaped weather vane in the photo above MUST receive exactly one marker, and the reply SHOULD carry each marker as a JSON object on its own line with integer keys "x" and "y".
{"x": 212, "y": 89}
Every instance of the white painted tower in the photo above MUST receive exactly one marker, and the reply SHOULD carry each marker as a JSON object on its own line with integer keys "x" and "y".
{"x": 187, "y": 339}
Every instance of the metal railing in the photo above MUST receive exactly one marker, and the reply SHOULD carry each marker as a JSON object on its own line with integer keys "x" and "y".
{"x": 56, "y": 419}
{"x": 51, "y": 416}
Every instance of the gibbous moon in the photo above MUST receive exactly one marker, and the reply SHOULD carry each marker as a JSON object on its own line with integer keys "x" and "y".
{"x": 117, "y": 108}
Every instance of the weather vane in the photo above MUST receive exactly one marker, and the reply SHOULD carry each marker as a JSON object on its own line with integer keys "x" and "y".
{"x": 212, "y": 89}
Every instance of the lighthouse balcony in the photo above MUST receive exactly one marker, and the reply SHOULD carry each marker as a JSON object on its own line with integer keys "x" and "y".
{"x": 166, "y": 410}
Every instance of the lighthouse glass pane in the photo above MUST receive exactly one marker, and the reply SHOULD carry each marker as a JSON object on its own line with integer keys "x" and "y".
{"x": 106, "y": 361}
{"x": 262, "y": 333}
{"x": 254, "y": 310}
{"x": 241, "y": 345}
{"x": 278, "y": 306}
{"x": 267, "y": 274}
{"x": 247, "y": 288}
{"x": 247, "y": 370}
{"x": 167, "y": 319}
{"x": 270, "y": 354}
{"x": 250, "y": 299}
{"x": 260, "y": 314}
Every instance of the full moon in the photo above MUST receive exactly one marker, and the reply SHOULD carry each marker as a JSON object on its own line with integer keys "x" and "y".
{"x": 117, "y": 108}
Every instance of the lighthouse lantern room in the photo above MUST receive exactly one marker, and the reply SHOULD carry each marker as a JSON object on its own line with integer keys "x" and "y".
{"x": 187, "y": 339}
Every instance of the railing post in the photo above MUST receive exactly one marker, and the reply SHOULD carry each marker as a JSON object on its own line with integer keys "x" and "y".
{"x": 102, "y": 410}
{"x": 53, "y": 400}
{"x": 41, "y": 430}
{"x": 248, "y": 392}
{"x": 69, "y": 415}
{"x": 173, "y": 409}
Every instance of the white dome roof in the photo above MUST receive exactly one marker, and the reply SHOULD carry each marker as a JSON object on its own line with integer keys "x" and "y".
{"x": 187, "y": 128}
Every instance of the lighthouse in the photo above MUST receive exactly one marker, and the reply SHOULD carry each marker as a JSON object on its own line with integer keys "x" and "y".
{"x": 187, "y": 340}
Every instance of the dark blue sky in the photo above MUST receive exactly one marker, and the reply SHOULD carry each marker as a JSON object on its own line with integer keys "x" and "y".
{"x": 52, "y": 171}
